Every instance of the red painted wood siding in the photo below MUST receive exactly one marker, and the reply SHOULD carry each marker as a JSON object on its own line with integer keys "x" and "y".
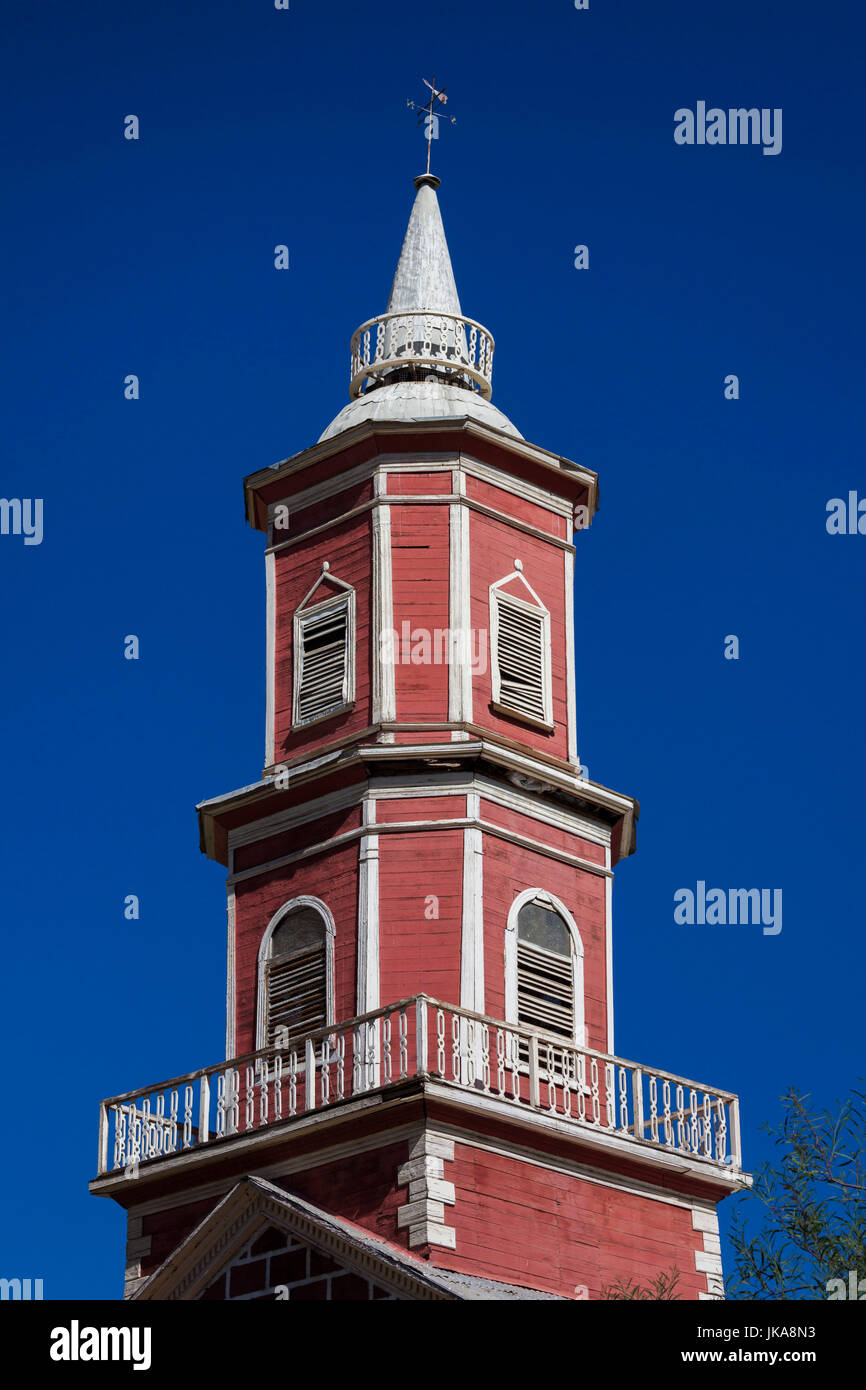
{"x": 536, "y": 829}
{"x": 333, "y": 878}
{"x": 300, "y": 837}
{"x": 420, "y": 808}
{"x": 362, "y": 1189}
{"x": 524, "y": 1224}
{"x": 504, "y": 501}
{"x": 509, "y": 870}
{"x": 348, "y": 550}
{"x": 419, "y": 953}
{"x": 422, "y": 736}
{"x": 420, "y": 568}
{"x": 419, "y": 484}
{"x": 305, "y": 518}
{"x": 494, "y": 546}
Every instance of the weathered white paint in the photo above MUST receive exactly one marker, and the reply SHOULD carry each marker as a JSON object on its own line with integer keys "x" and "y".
{"x": 368, "y": 913}
{"x": 472, "y": 933}
{"x": 460, "y": 619}
{"x": 384, "y": 675}
{"x": 270, "y": 655}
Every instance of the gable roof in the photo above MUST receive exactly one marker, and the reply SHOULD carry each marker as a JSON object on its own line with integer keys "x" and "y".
{"x": 255, "y": 1204}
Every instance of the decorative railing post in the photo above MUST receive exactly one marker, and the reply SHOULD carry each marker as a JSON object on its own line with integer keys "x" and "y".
{"x": 534, "y": 1088}
{"x": 637, "y": 1101}
{"x": 736, "y": 1156}
{"x": 310, "y": 1076}
{"x": 371, "y": 1043}
{"x": 203, "y": 1109}
{"x": 421, "y": 1038}
{"x": 102, "y": 1164}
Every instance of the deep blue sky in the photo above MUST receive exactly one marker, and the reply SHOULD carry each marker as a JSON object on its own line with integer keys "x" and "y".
{"x": 260, "y": 127}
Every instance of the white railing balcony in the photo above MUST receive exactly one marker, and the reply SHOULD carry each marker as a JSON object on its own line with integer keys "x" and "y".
{"x": 416, "y": 338}
{"x": 422, "y": 1038}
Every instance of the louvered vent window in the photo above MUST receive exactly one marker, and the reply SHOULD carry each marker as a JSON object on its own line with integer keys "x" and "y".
{"x": 522, "y": 659}
{"x": 296, "y": 996}
{"x": 323, "y": 643}
{"x": 545, "y": 971}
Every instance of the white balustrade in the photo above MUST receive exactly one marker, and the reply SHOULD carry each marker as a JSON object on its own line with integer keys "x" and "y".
{"x": 417, "y": 338}
{"x": 444, "y": 1044}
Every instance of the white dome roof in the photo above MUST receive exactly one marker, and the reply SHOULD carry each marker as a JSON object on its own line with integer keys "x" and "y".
{"x": 420, "y": 400}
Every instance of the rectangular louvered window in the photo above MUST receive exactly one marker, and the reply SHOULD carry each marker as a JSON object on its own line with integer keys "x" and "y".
{"x": 324, "y": 676}
{"x": 521, "y": 675}
{"x": 545, "y": 990}
{"x": 296, "y": 993}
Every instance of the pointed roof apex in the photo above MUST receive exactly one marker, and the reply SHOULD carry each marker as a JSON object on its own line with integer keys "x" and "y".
{"x": 424, "y": 278}
{"x": 424, "y": 340}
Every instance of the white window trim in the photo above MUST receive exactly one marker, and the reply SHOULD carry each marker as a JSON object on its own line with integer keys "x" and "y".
{"x": 264, "y": 955}
{"x": 537, "y": 608}
{"x": 544, "y": 899}
{"x": 301, "y": 614}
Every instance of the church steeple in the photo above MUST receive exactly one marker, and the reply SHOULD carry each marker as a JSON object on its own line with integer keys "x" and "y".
{"x": 419, "y": 1030}
{"x": 423, "y": 358}
{"x": 424, "y": 278}
{"x": 423, "y": 336}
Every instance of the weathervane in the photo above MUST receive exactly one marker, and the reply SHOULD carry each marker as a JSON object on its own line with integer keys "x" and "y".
{"x": 429, "y": 115}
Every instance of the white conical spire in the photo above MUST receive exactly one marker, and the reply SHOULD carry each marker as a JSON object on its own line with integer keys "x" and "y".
{"x": 422, "y": 359}
{"x": 423, "y": 335}
{"x": 424, "y": 278}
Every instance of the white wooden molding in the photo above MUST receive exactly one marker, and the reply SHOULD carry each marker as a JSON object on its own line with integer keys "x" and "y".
{"x": 570, "y": 658}
{"x": 429, "y": 1191}
{"x": 401, "y": 827}
{"x": 426, "y": 500}
{"x": 230, "y": 967}
{"x": 459, "y": 616}
{"x": 472, "y": 930}
{"x": 270, "y": 656}
{"x": 608, "y": 948}
{"x": 518, "y": 487}
{"x": 457, "y": 783}
{"x": 384, "y": 674}
{"x": 709, "y": 1260}
{"x": 294, "y": 816}
{"x": 368, "y": 914}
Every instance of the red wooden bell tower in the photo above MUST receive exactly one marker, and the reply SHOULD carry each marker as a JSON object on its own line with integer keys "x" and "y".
{"x": 420, "y": 1097}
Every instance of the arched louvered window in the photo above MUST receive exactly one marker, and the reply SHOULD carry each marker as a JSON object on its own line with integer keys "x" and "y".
{"x": 520, "y": 651}
{"x": 545, "y": 972}
{"x": 544, "y": 967}
{"x": 295, "y": 973}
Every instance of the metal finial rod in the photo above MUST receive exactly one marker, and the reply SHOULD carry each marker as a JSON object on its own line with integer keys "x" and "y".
{"x": 428, "y": 112}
